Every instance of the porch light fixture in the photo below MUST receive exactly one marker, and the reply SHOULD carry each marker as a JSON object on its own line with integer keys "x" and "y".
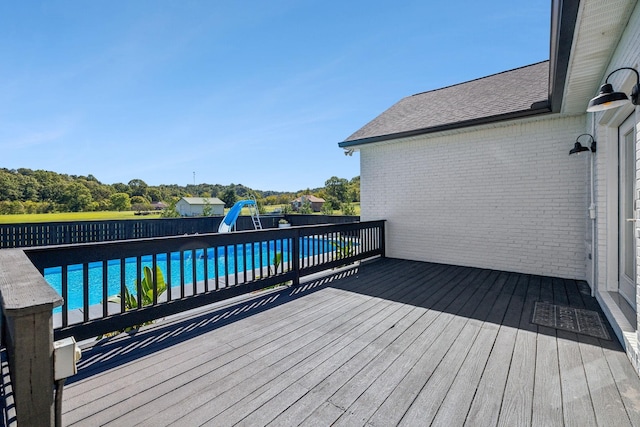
{"x": 608, "y": 99}
{"x": 578, "y": 148}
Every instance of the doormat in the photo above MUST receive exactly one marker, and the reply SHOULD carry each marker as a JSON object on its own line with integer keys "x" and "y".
{"x": 580, "y": 321}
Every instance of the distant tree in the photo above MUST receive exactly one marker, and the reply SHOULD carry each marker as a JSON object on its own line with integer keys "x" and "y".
{"x": 335, "y": 203}
{"x": 29, "y": 187}
{"x": 76, "y": 197}
{"x": 51, "y": 186}
{"x": 336, "y": 188}
{"x": 11, "y": 207}
{"x": 121, "y": 188}
{"x": 229, "y": 197}
{"x": 9, "y": 186}
{"x": 261, "y": 207}
{"x": 170, "y": 211}
{"x": 353, "y": 189}
{"x": 120, "y": 202}
{"x": 305, "y": 207}
{"x": 348, "y": 209}
{"x": 102, "y": 205}
{"x": 139, "y": 204}
{"x": 25, "y": 171}
{"x": 154, "y": 194}
{"x": 327, "y": 208}
{"x": 138, "y": 187}
{"x": 48, "y": 191}
{"x": 141, "y": 207}
{"x": 30, "y": 207}
{"x": 99, "y": 192}
{"x": 284, "y": 199}
{"x": 207, "y": 209}
{"x": 270, "y": 200}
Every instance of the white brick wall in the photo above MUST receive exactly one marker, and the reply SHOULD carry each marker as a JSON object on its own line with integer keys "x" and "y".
{"x": 507, "y": 197}
{"x": 627, "y": 54}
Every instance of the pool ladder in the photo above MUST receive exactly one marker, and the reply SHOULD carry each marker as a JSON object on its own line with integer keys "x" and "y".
{"x": 255, "y": 214}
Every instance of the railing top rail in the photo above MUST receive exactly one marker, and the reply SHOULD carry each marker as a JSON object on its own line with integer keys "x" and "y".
{"x": 21, "y": 285}
{"x": 106, "y": 221}
{"x": 56, "y": 255}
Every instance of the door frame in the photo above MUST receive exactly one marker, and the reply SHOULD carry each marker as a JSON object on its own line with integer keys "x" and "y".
{"x": 608, "y": 126}
{"x": 624, "y": 281}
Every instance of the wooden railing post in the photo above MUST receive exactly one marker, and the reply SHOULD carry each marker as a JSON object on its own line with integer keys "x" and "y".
{"x": 382, "y": 240}
{"x": 27, "y": 305}
{"x": 295, "y": 257}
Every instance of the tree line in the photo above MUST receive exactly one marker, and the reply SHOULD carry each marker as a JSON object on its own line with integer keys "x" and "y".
{"x": 28, "y": 191}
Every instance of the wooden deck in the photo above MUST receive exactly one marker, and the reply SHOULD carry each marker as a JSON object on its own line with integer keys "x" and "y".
{"x": 392, "y": 342}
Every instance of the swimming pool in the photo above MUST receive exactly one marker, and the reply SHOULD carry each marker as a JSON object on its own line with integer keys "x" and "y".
{"x": 263, "y": 254}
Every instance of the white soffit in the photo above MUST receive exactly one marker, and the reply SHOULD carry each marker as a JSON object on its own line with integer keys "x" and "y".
{"x": 599, "y": 26}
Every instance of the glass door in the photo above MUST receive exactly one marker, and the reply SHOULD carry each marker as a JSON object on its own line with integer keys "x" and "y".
{"x": 626, "y": 191}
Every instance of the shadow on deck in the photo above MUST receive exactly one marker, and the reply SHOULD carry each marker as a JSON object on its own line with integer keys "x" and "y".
{"x": 390, "y": 342}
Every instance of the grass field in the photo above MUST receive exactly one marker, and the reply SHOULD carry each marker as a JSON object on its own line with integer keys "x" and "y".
{"x": 71, "y": 216}
{"x": 106, "y": 215}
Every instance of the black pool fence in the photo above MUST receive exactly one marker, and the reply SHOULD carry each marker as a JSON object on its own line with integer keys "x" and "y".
{"x": 63, "y": 233}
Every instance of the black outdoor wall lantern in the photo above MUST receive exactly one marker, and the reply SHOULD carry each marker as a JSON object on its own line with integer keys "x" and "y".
{"x": 578, "y": 148}
{"x": 608, "y": 99}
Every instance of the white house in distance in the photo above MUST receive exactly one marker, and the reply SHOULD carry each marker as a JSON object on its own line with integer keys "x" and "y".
{"x": 194, "y": 206}
{"x": 485, "y": 165}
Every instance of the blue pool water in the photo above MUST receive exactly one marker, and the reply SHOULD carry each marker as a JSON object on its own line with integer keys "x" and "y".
{"x": 245, "y": 262}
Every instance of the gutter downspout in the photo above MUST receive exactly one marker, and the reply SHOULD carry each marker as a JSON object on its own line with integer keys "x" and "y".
{"x": 592, "y": 215}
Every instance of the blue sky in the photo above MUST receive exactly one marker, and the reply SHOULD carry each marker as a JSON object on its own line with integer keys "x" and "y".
{"x": 247, "y": 92}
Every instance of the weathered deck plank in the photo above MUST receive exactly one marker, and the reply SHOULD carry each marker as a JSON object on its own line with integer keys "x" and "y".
{"x": 428, "y": 402}
{"x": 518, "y": 395}
{"x": 188, "y": 367}
{"x": 316, "y": 335}
{"x": 485, "y": 407}
{"x": 318, "y": 373}
{"x": 365, "y": 405}
{"x": 332, "y": 335}
{"x": 605, "y": 397}
{"x": 453, "y": 410}
{"x": 410, "y": 371}
{"x": 393, "y": 342}
{"x": 576, "y": 401}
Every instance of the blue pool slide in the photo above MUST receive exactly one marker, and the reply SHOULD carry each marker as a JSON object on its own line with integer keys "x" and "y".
{"x": 229, "y": 220}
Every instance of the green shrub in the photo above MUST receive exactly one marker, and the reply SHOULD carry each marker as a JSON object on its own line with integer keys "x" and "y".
{"x": 348, "y": 209}
{"x": 131, "y": 300}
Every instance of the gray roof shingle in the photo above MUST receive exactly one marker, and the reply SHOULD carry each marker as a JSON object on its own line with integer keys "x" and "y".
{"x": 203, "y": 200}
{"x": 516, "y": 93}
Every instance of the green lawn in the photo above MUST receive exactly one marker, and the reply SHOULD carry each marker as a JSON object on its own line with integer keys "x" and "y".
{"x": 105, "y": 215}
{"x": 71, "y": 216}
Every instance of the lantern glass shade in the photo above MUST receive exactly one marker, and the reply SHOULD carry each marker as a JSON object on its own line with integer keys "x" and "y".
{"x": 607, "y": 99}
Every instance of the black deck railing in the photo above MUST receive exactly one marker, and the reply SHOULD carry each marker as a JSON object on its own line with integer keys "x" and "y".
{"x": 198, "y": 269}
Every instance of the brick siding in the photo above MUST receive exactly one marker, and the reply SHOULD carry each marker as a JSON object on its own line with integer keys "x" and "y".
{"x": 504, "y": 197}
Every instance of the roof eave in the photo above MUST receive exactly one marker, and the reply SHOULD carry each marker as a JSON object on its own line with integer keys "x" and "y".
{"x": 563, "y": 22}
{"x": 538, "y": 108}
{"x": 564, "y": 15}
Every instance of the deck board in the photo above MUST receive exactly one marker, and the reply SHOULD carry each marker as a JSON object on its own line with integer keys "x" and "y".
{"x": 607, "y": 405}
{"x": 353, "y": 323}
{"x": 576, "y": 398}
{"x": 463, "y": 389}
{"x": 485, "y": 407}
{"x": 392, "y": 342}
{"x": 397, "y": 387}
{"x": 518, "y": 397}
